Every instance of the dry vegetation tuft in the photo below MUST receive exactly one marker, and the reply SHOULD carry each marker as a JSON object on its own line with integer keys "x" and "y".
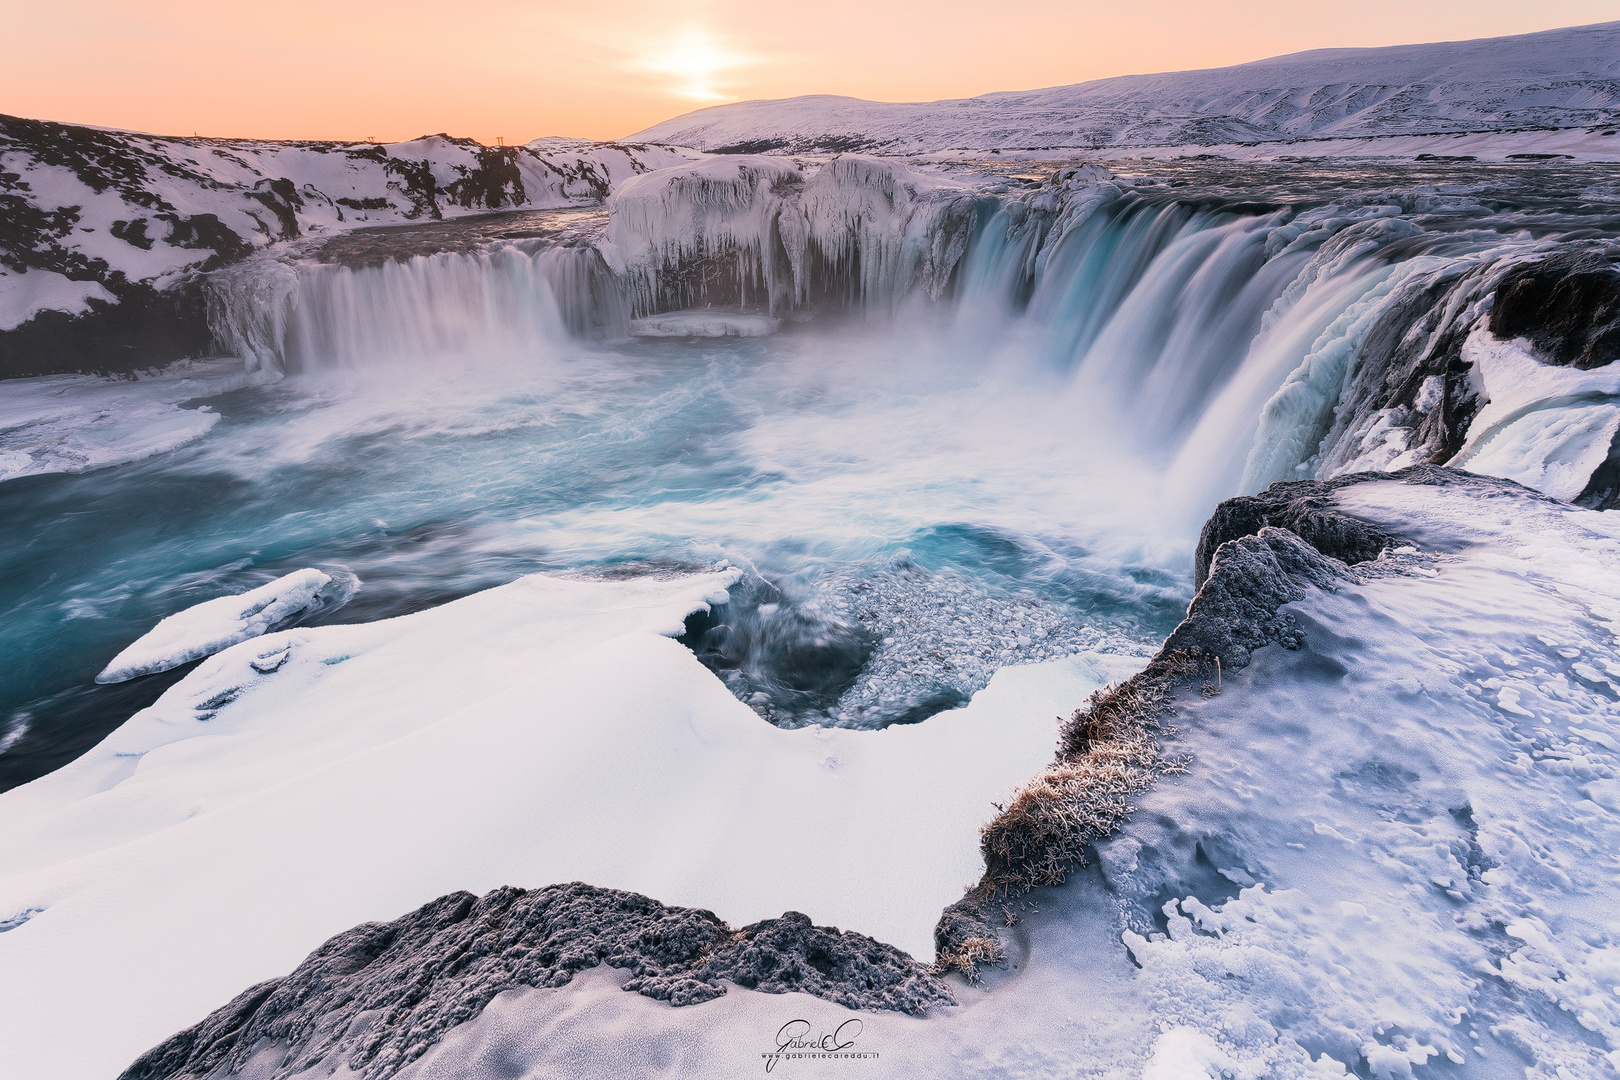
{"x": 1108, "y": 751}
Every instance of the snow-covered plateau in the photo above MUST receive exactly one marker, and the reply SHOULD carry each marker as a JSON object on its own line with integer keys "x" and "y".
{"x": 1318, "y": 101}
{"x": 621, "y": 610}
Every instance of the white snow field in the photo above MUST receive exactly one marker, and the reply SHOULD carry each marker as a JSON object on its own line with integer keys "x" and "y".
{"x": 206, "y": 628}
{"x": 543, "y": 731}
{"x": 70, "y": 423}
{"x": 1566, "y": 78}
{"x": 1395, "y": 853}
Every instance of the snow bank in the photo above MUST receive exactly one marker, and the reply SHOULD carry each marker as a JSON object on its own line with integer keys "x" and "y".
{"x": 206, "y": 628}
{"x": 547, "y": 730}
{"x": 24, "y": 295}
{"x": 858, "y": 229}
{"x": 1547, "y": 427}
{"x": 1404, "y": 863}
{"x": 70, "y": 423}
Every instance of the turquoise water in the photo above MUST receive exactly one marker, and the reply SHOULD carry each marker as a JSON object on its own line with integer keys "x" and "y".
{"x": 828, "y": 463}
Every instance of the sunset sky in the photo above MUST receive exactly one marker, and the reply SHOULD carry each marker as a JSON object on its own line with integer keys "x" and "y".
{"x": 488, "y": 68}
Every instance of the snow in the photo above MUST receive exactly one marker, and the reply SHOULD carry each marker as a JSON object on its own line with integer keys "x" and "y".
{"x": 705, "y": 324}
{"x": 1566, "y": 78}
{"x": 546, "y": 730}
{"x": 206, "y": 628}
{"x": 1371, "y": 867}
{"x": 70, "y": 423}
{"x": 22, "y": 296}
{"x": 1547, "y": 427}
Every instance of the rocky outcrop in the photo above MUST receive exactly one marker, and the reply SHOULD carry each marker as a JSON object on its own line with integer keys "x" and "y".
{"x": 375, "y": 998}
{"x": 1303, "y": 507}
{"x": 1256, "y": 555}
{"x": 1567, "y": 305}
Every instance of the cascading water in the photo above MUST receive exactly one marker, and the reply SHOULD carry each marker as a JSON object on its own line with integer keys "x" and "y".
{"x": 1000, "y": 411}
{"x": 506, "y": 301}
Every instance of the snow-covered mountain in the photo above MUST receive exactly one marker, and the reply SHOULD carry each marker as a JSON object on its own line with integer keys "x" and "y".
{"x": 1555, "y": 79}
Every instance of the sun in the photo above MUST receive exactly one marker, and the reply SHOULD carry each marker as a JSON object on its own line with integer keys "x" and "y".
{"x": 694, "y": 58}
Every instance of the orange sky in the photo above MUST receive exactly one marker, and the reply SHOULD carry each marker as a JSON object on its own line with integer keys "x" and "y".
{"x": 487, "y": 68}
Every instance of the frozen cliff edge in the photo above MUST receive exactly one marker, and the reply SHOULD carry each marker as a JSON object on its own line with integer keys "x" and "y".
{"x": 858, "y": 231}
{"x": 314, "y": 778}
{"x": 1566, "y": 78}
{"x": 1385, "y": 848}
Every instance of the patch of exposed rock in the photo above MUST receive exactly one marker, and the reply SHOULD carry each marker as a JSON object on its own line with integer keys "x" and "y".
{"x": 375, "y": 998}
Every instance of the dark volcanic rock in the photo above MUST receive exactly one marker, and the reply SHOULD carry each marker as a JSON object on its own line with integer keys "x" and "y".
{"x": 146, "y": 328}
{"x": 1238, "y": 608}
{"x": 1308, "y": 509}
{"x": 1568, "y": 305}
{"x": 1303, "y": 507}
{"x": 375, "y": 998}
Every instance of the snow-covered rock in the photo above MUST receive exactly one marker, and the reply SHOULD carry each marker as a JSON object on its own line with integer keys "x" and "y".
{"x": 1549, "y": 428}
{"x": 206, "y": 628}
{"x": 1567, "y": 78}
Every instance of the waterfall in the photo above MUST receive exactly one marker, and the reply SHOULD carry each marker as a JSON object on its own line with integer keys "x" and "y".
{"x": 1235, "y": 344}
{"x": 508, "y": 301}
{"x": 757, "y": 231}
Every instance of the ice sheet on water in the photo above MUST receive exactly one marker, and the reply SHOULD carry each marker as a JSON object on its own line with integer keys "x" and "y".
{"x": 206, "y": 628}
{"x": 704, "y": 324}
{"x": 70, "y": 423}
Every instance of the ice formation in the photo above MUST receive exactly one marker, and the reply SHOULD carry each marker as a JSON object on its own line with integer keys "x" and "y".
{"x": 206, "y": 628}
{"x": 70, "y": 423}
{"x": 761, "y": 231}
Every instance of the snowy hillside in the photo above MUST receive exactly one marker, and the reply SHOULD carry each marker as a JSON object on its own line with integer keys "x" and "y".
{"x": 91, "y": 218}
{"x": 1556, "y": 79}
